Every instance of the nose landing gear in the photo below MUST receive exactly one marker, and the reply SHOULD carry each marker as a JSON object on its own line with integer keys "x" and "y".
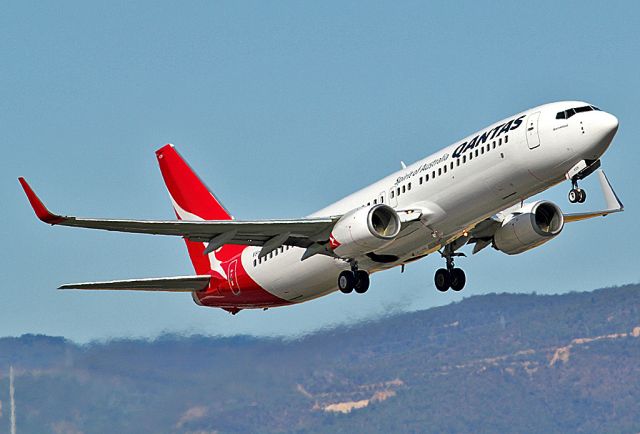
{"x": 354, "y": 279}
{"x": 580, "y": 171}
{"x": 450, "y": 277}
{"x": 576, "y": 195}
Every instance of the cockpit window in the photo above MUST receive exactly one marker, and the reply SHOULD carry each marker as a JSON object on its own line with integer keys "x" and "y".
{"x": 572, "y": 111}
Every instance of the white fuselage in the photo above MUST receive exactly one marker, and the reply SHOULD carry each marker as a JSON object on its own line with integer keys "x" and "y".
{"x": 509, "y": 162}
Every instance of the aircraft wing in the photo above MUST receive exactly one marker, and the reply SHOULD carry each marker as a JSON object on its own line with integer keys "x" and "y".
{"x": 170, "y": 284}
{"x": 482, "y": 234}
{"x": 270, "y": 234}
{"x": 611, "y": 198}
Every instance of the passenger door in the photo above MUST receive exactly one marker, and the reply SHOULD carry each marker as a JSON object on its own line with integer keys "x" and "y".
{"x": 533, "y": 138}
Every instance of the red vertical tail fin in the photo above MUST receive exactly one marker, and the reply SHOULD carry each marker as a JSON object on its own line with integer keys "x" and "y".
{"x": 191, "y": 200}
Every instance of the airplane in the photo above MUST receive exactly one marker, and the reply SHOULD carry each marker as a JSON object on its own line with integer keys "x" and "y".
{"x": 471, "y": 192}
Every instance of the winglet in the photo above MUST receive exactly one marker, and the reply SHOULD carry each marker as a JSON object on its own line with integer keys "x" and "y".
{"x": 610, "y": 196}
{"x": 38, "y": 207}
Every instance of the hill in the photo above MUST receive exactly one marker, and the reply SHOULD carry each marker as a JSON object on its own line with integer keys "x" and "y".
{"x": 494, "y": 363}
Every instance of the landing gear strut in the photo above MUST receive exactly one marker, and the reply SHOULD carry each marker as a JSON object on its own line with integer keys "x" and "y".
{"x": 353, "y": 279}
{"x": 450, "y": 277}
{"x": 576, "y": 194}
{"x": 580, "y": 171}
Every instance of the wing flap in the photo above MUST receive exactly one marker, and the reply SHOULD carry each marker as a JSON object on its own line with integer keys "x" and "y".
{"x": 169, "y": 284}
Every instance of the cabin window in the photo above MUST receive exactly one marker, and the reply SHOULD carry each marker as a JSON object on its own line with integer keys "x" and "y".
{"x": 433, "y": 175}
{"x": 452, "y": 165}
{"x": 381, "y": 199}
{"x": 500, "y": 141}
{"x": 404, "y": 188}
{"x": 444, "y": 169}
{"x": 457, "y": 162}
{"x": 409, "y": 186}
{"x": 426, "y": 178}
{"x": 439, "y": 171}
{"x": 375, "y": 201}
{"x": 506, "y": 139}
{"x": 477, "y": 153}
{"x": 392, "y": 194}
{"x": 255, "y": 262}
{"x": 420, "y": 180}
{"x": 398, "y": 191}
{"x": 482, "y": 150}
{"x": 494, "y": 144}
{"x": 464, "y": 159}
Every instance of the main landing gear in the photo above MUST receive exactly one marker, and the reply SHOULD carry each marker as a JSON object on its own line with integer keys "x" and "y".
{"x": 353, "y": 279}
{"x": 450, "y": 277}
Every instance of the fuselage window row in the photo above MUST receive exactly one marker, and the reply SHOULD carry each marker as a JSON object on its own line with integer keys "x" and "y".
{"x": 443, "y": 169}
{"x": 271, "y": 255}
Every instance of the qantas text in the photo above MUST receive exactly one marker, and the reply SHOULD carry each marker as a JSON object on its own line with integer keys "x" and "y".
{"x": 488, "y": 135}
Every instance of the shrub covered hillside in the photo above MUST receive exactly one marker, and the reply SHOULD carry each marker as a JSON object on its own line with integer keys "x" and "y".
{"x": 492, "y": 363}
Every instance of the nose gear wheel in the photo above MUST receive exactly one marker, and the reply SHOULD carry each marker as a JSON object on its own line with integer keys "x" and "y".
{"x": 577, "y": 195}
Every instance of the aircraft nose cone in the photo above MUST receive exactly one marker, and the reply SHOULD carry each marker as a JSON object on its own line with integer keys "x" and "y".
{"x": 608, "y": 123}
{"x": 603, "y": 128}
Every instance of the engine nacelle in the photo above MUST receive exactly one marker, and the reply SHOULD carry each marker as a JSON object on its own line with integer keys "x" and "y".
{"x": 364, "y": 230}
{"x": 533, "y": 225}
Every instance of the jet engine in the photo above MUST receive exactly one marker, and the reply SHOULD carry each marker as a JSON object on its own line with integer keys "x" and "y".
{"x": 364, "y": 230}
{"x": 532, "y": 225}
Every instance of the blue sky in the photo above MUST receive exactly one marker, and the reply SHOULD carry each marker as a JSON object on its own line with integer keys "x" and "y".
{"x": 282, "y": 108}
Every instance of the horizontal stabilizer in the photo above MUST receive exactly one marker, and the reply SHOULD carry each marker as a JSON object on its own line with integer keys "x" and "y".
{"x": 170, "y": 284}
